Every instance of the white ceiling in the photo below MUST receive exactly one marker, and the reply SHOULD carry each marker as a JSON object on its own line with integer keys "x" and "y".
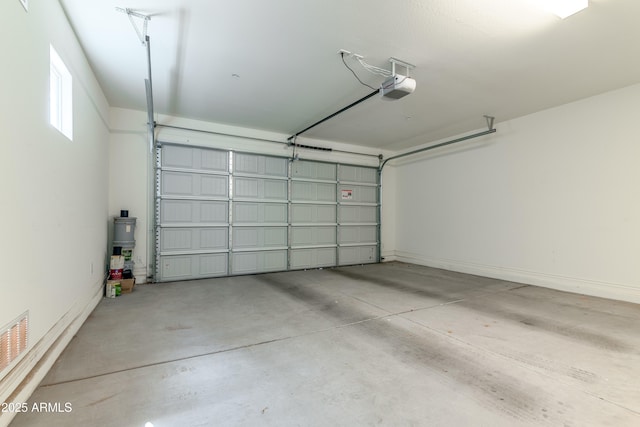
{"x": 505, "y": 58}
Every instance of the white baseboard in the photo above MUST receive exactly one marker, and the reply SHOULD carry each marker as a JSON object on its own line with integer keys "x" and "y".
{"x": 388, "y": 256}
{"x": 18, "y": 385}
{"x": 562, "y": 283}
{"x": 140, "y": 274}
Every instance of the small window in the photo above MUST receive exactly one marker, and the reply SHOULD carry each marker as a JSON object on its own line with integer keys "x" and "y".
{"x": 60, "y": 95}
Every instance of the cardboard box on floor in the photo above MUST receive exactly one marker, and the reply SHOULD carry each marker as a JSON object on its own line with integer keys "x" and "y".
{"x": 126, "y": 285}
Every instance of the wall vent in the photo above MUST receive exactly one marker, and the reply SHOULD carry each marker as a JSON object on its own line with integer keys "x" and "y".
{"x": 13, "y": 340}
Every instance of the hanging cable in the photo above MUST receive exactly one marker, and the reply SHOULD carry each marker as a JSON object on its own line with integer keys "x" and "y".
{"x": 373, "y": 69}
{"x": 354, "y": 73}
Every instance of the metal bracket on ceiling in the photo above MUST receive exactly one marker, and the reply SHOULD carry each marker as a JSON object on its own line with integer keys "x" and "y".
{"x": 294, "y": 156}
{"x": 406, "y": 65}
{"x": 489, "y": 120}
{"x": 142, "y": 34}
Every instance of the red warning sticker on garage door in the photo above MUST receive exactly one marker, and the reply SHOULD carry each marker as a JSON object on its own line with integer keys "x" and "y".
{"x": 347, "y": 194}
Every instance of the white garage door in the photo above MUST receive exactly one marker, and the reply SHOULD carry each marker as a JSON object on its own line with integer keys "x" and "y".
{"x": 192, "y": 213}
{"x": 313, "y": 215}
{"x": 259, "y": 214}
{"x": 222, "y": 213}
{"x": 358, "y": 216}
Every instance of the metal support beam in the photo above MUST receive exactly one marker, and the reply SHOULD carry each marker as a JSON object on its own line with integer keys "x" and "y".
{"x": 489, "y": 120}
{"x": 151, "y": 199}
{"x": 142, "y": 34}
{"x": 150, "y": 121}
{"x": 149, "y": 90}
{"x": 406, "y": 65}
{"x": 442, "y": 144}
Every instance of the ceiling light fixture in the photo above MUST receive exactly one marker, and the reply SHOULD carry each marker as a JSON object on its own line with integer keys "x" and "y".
{"x": 563, "y": 8}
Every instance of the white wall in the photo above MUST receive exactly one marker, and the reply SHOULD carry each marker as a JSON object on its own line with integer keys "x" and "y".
{"x": 550, "y": 199}
{"x": 53, "y": 213}
{"x": 131, "y": 167}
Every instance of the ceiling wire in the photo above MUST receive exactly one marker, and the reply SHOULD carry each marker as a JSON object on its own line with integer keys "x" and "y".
{"x": 354, "y": 73}
{"x": 373, "y": 69}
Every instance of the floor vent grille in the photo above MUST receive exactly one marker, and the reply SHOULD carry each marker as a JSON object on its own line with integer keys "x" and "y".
{"x": 13, "y": 340}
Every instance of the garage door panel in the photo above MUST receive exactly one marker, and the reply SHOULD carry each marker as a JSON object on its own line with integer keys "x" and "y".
{"x": 214, "y": 160}
{"x": 358, "y": 234}
{"x": 358, "y": 194}
{"x": 313, "y": 213}
{"x": 193, "y": 211}
{"x": 313, "y": 170}
{"x": 194, "y": 185}
{"x": 193, "y": 239}
{"x": 195, "y": 158}
{"x": 259, "y": 188}
{"x": 176, "y": 239}
{"x": 358, "y": 174}
{"x": 177, "y": 267}
{"x": 313, "y": 191}
{"x": 213, "y": 265}
{"x": 176, "y": 211}
{"x": 180, "y": 184}
{"x": 248, "y": 212}
{"x": 214, "y": 212}
{"x": 274, "y": 190}
{"x": 179, "y": 157}
{"x": 275, "y": 213}
{"x": 358, "y": 214}
{"x": 213, "y": 238}
{"x": 357, "y": 255}
{"x": 258, "y": 262}
{"x": 260, "y": 165}
{"x": 310, "y": 236}
{"x": 313, "y": 258}
{"x": 259, "y": 237}
{"x": 214, "y": 186}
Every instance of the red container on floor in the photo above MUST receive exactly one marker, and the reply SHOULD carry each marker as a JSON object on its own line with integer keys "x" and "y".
{"x": 115, "y": 274}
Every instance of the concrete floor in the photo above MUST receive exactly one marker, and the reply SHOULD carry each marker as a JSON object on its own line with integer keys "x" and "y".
{"x": 389, "y": 344}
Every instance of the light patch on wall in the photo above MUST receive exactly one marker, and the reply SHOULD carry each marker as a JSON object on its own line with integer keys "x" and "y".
{"x": 563, "y": 8}
{"x": 25, "y": 4}
{"x": 13, "y": 340}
